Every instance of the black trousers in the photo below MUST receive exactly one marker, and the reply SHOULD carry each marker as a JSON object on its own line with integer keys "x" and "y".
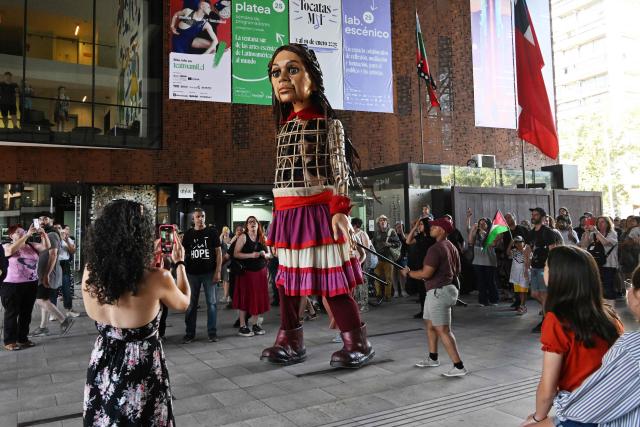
{"x": 18, "y": 300}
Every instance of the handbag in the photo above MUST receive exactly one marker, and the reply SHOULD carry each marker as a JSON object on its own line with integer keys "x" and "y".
{"x": 393, "y": 252}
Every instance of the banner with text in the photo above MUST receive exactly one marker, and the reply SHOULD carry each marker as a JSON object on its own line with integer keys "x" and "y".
{"x": 200, "y": 58}
{"x": 368, "y": 74}
{"x": 259, "y": 28}
{"x": 318, "y": 24}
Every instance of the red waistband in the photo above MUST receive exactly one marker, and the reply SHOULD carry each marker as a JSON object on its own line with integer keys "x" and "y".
{"x": 291, "y": 202}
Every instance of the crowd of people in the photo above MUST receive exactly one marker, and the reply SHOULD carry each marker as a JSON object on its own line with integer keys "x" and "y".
{"x": 575, "y": 274}
{"x": 36, "y": 269}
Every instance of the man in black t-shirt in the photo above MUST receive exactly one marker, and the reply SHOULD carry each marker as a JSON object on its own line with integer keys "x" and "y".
{"x": 8, "y": 97}
{"x": 202, "y": 261}
{"x": 541, "y": 240}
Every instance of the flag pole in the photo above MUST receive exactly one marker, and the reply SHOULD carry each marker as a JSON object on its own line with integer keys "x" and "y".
{"x": 415, "y": 5}
{"x": 524, "y": 175}
{"x": 420, "y": 112}
{"x": 515, "y": 90}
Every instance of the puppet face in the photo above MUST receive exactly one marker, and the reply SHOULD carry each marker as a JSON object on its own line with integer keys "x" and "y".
{"x": 290, "y": 80}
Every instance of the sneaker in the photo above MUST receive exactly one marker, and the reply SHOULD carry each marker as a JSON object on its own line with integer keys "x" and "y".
{"x": 537, "y": 329}
{"x": 428, "y": 362}
{"x": 245, "y": 332}
{"x": 337, "y": 338}
{"x": 257, "y": 330}
{"x": 213, "y": 338}
{"x": 455, "y": 372}
{"x": 40, "y": 332}
{"x": 188, "y": 339}
{"x": 66, "y": 325}
{"x": 27, "y": 344}
{"x": 71, "y": 313}
{"x": 52, "y": 318}
{"x": 521, "y": 310}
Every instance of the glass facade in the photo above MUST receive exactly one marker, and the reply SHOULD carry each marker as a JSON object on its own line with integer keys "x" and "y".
{"x": 81, "y": 72}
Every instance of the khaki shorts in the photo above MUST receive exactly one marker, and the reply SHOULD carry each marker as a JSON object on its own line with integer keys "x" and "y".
{"x": 438, "y": 303}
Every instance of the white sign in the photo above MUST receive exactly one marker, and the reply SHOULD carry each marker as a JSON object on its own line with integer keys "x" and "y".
{"x": 185, "y": 191}
{"x": 318, "y": 24}
{"x": 372, "y": 225}
{"x": 200, "y": 77}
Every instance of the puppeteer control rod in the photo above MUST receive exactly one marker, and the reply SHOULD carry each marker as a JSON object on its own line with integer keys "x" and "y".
{"x": 396, "y": 265}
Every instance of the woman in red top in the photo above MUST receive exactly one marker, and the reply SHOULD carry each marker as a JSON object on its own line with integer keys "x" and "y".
{"x": 578, "y": 328}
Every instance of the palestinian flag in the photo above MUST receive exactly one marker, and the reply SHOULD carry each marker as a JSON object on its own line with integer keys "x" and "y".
{"x": 498, "y": 226}
{"x": 423, "y": 66}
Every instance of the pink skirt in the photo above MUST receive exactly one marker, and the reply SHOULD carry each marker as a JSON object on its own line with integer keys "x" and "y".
{"x": 251, "y": 292}
{"x": 310, "y": 261}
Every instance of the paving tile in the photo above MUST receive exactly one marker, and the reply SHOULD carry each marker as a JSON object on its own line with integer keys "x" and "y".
{"x": 309, "y": 417}
{"x": 231, "y": 414}
{"x": 289, "y": 402}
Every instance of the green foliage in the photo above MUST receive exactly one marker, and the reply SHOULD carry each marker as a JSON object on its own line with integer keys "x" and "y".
{"x": 608, "y": 159}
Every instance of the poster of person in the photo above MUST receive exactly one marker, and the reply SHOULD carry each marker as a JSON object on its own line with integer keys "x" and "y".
{"x": 200, "y": 58}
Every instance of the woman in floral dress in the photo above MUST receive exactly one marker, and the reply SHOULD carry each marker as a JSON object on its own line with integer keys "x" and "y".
{"x": 127, "y": 380}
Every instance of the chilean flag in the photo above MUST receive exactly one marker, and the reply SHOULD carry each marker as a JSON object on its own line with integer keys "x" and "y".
{"x": 535, "y": 122}
{"x": 423, "y": 66}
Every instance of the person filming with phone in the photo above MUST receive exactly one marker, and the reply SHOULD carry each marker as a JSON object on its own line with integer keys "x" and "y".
{"x": 601, "y": 241}
{"x": 18, "y": 291}
{"x": 127, "y": 378}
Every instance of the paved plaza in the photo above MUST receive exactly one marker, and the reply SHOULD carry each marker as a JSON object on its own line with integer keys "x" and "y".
{"x": 224, "y": 383}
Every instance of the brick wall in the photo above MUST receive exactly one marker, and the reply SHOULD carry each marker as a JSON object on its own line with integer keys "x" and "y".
{"x": 222, "y": 143}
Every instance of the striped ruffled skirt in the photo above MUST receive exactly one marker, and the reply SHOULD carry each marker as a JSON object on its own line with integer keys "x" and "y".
{"x": 311, "y": 262}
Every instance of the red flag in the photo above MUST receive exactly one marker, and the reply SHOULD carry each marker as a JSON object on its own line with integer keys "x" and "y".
{"x": 423, "y": 66}
{"x": 535, "y": 122}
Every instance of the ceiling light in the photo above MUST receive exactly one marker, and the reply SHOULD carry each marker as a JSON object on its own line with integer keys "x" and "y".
{"x": 84, "y": 98}
{"x": 224, "y": 191}
{"x": 75, "y": 33}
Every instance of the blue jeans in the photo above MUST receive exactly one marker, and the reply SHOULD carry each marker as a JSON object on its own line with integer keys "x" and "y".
{"x": 67, "y": 298}
{"x": 191, "y": 316}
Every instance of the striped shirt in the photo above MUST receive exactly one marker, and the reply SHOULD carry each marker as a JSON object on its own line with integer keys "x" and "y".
{"x": 610, "y": 397}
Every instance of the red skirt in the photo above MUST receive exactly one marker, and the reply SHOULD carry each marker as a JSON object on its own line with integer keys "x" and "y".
{"x": 251, "y": 292}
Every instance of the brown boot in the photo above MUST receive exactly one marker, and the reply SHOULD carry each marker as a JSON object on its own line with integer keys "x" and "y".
{"x": 356, "y": 350}
{"x": 288, "y": 348}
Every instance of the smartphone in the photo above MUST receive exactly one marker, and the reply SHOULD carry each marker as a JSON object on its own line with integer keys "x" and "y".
{"x": 590, "y": 222}
{"x": 36, "y": 224}
{"x": 167, "y": 232}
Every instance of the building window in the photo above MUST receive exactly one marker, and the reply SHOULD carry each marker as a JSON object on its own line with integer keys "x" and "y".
{"x": 88, "y": 72}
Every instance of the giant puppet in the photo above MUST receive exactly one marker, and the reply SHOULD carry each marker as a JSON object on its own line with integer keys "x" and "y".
{"x": 310, "y": 232}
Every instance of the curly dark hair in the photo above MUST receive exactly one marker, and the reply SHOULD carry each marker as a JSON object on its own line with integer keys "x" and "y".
{"x": 119, "y": 250}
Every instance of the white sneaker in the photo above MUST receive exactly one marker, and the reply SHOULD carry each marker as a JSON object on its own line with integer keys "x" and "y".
{"x": 455, "y": 372}
{"x": 428, "y": 362}
{"x": 52, "y": 318}
{"x": 71, "y": 313}
{"x": 337, "y": 338}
